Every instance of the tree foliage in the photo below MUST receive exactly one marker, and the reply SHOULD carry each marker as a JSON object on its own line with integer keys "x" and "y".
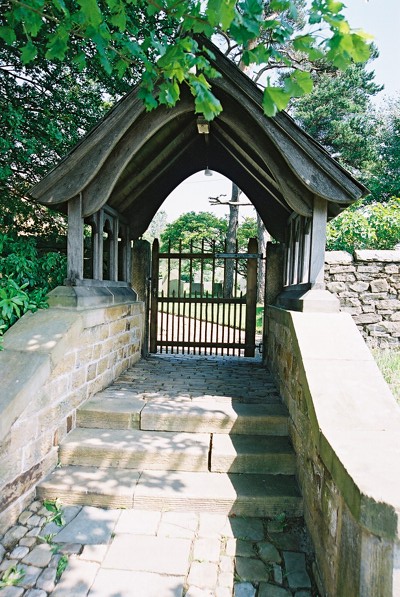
{"x": 44, "y": 110}
{"x": 383, "y": 176}
{"x": 338, "y": 114}
{"x": 192, "y": 230}
{"x": 371, "y": 226}
{"x": 160, "y": 37}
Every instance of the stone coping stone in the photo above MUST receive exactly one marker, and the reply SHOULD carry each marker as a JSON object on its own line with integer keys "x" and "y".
{"x": 354, "y": 417}
{"x": 21, "y": 374}
{"x": 89, "y": 296}
{"x": 338, "y": 257}
{"x": 378, "y": 255}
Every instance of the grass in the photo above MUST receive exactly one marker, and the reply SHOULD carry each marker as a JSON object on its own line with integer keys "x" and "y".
{"x": 388, "y": 362}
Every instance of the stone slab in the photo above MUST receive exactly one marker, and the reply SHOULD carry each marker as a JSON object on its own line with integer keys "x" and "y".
{"x": 145, "y": 584}
{"x": 76, "y": 579}
{"x": 215, "y": 417}
{"x": 377, "y": 255}
{"x": 106, "y": 488}
{"x": 268, "y": 590}
{"x": 296, "y": 573}
{"x": 247, "y": 454}
{"x": 92, "y": 526}
{"x": 111, "y": 409}
{"x": 242, "y": 495}
{"x": 250, "y": 569}
{"x": 145, "y": 553}
{"x": 138, "y": 522}
{"x": 40, "y": 556}
{"x": 244, "y": 589}
{"x": 136, "y": 449}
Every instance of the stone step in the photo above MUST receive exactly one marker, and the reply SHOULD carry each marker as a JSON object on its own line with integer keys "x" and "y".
{"x": 111, "y": 409}
{"x": 134, "y": 449}
{"x": 236, "y": 494}
{"x": 215, "y": 417}
{"x": 249, "y": 454}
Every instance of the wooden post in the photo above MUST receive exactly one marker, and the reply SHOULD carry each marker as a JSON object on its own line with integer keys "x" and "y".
{"x": 114, "y": 249}
{"x": 98, "y": 218}
{"x": 154, "y": 295}
{"x": 75, "y": 240}
{"x": 251, "y": 300}
{"x": 140, "y": 279}
{"x": 318, "y": 242}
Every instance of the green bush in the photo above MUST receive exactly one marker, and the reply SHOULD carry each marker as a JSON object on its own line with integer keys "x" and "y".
{"x": 373, "y": 226}
{"x": 26, "y": 277}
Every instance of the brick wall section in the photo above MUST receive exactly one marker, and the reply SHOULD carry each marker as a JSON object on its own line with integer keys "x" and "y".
{"x": 83, "y": 351}
{"x": 368, "y": 287}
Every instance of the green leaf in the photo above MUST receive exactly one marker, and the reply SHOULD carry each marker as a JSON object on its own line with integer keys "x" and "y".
{"x": 7, "y": 34}
{"x": 221, "y": 12}
{"x": 91, "y": 12}
{"x": 169, "y": 93}
{"x": 298, "y": 84}
{"x": 274, "y": 100}
{"x": 58, "y": 44}
{"x": 28, "y": 52}
{"x": 119, "y": 19}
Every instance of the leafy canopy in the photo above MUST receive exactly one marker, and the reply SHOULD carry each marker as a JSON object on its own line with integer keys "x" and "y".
{"x": 160, "y": 36}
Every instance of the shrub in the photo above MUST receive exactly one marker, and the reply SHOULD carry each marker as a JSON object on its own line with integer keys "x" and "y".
{"x": 25, "y": 277}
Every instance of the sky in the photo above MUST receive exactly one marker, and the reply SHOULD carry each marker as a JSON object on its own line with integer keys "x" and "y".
{"x": 380, "y": 18}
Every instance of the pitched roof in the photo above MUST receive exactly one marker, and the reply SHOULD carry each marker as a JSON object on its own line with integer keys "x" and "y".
{"x": 133, "y": 159}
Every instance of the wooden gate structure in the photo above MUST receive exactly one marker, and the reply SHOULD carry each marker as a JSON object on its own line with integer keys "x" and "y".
{"x": 199, "y": 316}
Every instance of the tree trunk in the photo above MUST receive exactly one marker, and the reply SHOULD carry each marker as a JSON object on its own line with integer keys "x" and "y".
{"x": 263, "y": 238}
{"x": 231, "y": 242}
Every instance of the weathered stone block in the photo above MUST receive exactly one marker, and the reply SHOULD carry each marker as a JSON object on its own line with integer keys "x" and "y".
{"x": 360, "y": 286}
{"x": 365, "y": 318}
{"x": 336, "y": 286}
{"x": 379, "y": 285}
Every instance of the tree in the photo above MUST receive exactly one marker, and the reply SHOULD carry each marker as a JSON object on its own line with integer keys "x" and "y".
{"x": 44, "y": 110}
{"x": 383, "y": 176}
{"x": 119, "y": 35}
{"x": 193, "y": 229}
{"x": 338, "y": 114}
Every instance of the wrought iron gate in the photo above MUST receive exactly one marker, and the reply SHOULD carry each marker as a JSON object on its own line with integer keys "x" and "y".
{"x": 192, "y": 311}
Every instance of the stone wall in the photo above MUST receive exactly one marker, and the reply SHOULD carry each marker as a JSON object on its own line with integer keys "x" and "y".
{"x": 368, "y": 287}
{"x": 345, "y": 430}
{"x": 52, "y": 361}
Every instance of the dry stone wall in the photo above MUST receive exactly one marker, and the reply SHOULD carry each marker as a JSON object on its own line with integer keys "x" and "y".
{"x": 54, "y": 360}
{"x": 368, "y": 287}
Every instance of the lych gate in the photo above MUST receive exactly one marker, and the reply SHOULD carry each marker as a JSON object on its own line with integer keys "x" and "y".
{"x": 111, "y": 185}
{"x": 116, "y": 179}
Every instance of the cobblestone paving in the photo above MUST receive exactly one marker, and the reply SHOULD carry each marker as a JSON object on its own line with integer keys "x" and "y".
{"x": 145, "y": 553}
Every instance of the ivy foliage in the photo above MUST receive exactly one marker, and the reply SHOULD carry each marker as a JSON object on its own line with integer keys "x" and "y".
{"x": 158, "y": 38}
{"x": 372, "y": 226}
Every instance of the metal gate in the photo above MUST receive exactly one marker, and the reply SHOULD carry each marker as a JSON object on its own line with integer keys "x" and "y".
{"x": 193, "y": 312}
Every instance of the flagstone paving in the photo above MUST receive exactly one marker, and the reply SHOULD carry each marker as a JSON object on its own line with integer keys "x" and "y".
{"x": 145, "y": 553}
{"x": 151, "y": 550}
